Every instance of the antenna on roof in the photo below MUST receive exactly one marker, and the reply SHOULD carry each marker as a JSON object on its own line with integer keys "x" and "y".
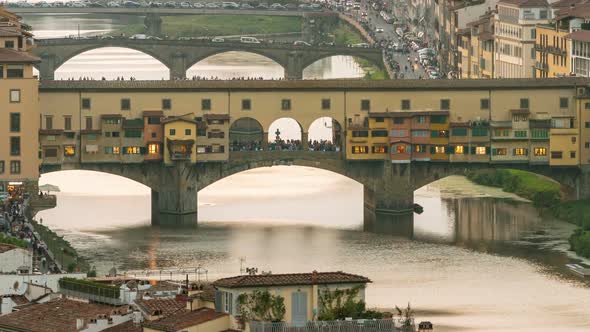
{"x": 242, "y": 261}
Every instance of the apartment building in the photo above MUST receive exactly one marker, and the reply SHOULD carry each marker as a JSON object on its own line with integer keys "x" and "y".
{"x": 19, "y": 106}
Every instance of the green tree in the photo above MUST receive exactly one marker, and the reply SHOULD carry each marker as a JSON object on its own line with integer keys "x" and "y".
{"x": 406, "y": 316}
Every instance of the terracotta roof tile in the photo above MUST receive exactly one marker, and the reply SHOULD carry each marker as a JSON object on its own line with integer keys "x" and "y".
{"x": 59, "y": 315}
{"x": 216, "y": 116}
{"x": 184, "y": 319}
{"x": 166, "y": 306}
{"x": 128, "y": 326}
{"x": 8, "y": 55}
{"x": 262, "y": 280}
{"x": 580, "y": 35}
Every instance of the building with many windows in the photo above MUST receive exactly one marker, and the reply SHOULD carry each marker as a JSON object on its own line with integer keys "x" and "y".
{"x": 19, "y": 106}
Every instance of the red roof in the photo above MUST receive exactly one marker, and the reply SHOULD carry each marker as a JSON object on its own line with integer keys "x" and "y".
{"x": 525, "y": 3}
{"x": 128, "y": 326}
{"x": 4, "y": 247}
{"x": 184, "y": 318}
{"x": 314, "y": 278}
{"x": 166, "y": 306}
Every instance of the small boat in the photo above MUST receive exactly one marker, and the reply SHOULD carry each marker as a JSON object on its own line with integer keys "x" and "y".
{"x": 579, "y": 269}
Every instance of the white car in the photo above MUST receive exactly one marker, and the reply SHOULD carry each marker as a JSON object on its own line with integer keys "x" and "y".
{"x": 217, "y": 40}
{"x": 378, "y": 30}
{"x": 363, "y": 45}
{"x": 301, "y": 43}
{"x": 138, "y": 36}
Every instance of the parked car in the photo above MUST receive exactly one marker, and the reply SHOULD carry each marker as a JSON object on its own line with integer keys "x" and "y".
{"x": 211, "y": 5}
{"x": 185, "y": 4}
{"x": 198, "y": 5}
{"x": 378, "y": 30}
{"x": 138, "y": 36}
{"x": 249, "y": 40}
{"x": 170, "y": 4}
{"x": 246, "y": 5}
{"x": 218, "y": 40}
{"x": 230, "y": 5}
{"x": 363, "y": 45}
{"x": 277, "y": 6}
{"x": 262, "y": 6}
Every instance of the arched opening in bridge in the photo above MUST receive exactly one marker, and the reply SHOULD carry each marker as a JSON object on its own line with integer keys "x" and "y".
{"x": 246, "y": 134}
{"x": 236, "y": 65}
{"x": 286, "y": 134}
{"x": 284, "y": 195}
{"x": 338, "y": 66}
{"x": 325, "y": 134}
{"x": 111, "y": 63}
{"x": 95, "y": 200}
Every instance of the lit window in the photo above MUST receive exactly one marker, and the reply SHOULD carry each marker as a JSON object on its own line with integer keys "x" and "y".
{"x": 379, "y": 149}
{"x": 400, "y": 149}
{"x": 519, "y": 152}
{"x": 153, "y": 148}
{"x": 459, "y": 149}
{"x": 69, "y": 150}
{"x": 540, "y": 151}
{"x": 480, "y": 150}
{"x": 439, "y": 149}
{"x": 116, "y": 150}
{"x": 132, "y": 150}
{"x": 359, "y": 149}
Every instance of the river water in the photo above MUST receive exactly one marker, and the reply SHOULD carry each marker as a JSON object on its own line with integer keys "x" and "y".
{"x": 480, "y": 259}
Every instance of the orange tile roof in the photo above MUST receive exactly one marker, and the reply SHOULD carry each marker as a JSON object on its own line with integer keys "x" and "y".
{"x": 314, "y": 278}
{"x": 184, "y": 318}
{"x": 166, "y": 306}
{"x": 128, "y": 326}
{"x": 59, "y": 315}
{"x": 8, "y": 55}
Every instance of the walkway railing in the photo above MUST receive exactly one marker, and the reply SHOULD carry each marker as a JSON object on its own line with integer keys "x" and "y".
{"x": 364, "y": 325}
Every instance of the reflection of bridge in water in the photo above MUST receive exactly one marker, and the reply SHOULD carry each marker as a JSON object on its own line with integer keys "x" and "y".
{"x": 180, "y": 55}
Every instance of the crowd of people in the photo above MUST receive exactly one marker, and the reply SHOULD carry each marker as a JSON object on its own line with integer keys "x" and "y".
{"x": 285, "y": 145}
{"x": 16, "y": 225}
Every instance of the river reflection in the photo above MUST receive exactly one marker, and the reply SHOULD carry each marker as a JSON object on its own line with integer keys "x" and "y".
{"x": 475, "y": 263}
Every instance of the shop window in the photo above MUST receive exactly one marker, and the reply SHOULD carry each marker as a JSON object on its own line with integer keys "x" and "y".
{"x": 379, "y": 149}
{"x": 153, "y": 148}
{"x": 459, "y": 149}
{"x": 69, "y": 151}
{"x": 246, "y": 104}
{"x": 15, "y": 96}
{"x": 286, "y": 104}
{"x": 166, "y": 104}
{"x": 539, "y": 152}
{"x": 519, "y": 151}
{"x": 419, "y": 148}
{"x": 440, "y": 149}
{"x": 360, "y": 149}
{"x": 326, "y": 104}
{"x": 125, "y": 104}
{"x": 15, "y": 146}
{"x": 206, "y": 104}
{"x": 132, "y": 150}
{"x": 365, "y": 105}
{"x": 406, "y": 105}
{"x": 15, "y": 166}
{"x": 14, "y": 122}
{"x": 499, "y": 152}
{"x": 401, "y": 149}
{"x": 481, "y": 150}
{"x": 86, "y": 104}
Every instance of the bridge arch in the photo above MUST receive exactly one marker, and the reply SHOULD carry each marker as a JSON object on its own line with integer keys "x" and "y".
{"x": 325, "y": 134}
{"x": 193, "y": 63}
{"x": 286, "y": 133}
{"x": 246, "y": 134}
{"x": 373, "y": 58}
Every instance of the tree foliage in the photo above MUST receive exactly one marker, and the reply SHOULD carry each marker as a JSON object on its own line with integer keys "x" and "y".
{"x": 339, "y": 304}
{"x": 262, "y": 306}
{"x": 406, "y": 316}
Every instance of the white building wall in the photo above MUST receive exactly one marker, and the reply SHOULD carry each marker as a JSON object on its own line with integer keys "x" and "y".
{"x": 17, "y": 283}
{"x": 11, "y": 260}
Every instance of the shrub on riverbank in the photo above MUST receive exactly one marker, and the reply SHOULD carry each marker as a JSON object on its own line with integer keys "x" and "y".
{"x": 14, "y": 241}
{"x": 62, "y": 250}
{"x": 543, "y": 192}
{"x": 580, "y": 242}
{"x": 575, "y": 212}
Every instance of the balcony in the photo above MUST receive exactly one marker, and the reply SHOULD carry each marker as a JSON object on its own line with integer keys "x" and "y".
{"x": 541, "y": 66}
{"x": 180, "y": 155}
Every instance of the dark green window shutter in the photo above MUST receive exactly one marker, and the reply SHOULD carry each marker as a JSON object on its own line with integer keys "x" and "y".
{"x": 472, "y": 150}
{"x": 124, "y": 150}
{"x": 487, "y": 150}
{"x": 143, "y": 150}
{"x": 514, "y": 152}
{"x": 526, "y": 152}
{"x": 218, "y": 304}
{"x": 466, "y": 150}
{"x": 450, "y": 150}
{"x": 432, "y": 149}
{"x": 494, "y": 152}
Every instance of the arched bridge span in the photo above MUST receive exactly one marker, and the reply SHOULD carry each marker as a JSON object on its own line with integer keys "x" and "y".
{"x": 180, "y": 55}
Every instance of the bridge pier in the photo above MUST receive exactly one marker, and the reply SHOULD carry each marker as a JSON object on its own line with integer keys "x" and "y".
{"x": 47, "y": 67}
{"x": 294, "y": 67}
{"x": 174, "y": 202}
{"x": 178, "y": 66}
{"x": 153, "y": 24}
{"x": 389, "y": 201}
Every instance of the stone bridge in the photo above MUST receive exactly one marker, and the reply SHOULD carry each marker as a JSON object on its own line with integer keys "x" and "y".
{"x": 388, "y": 188}
{"x": 180, "y": 55}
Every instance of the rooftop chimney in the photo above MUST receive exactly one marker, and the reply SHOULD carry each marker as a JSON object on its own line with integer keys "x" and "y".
{"x": 314, "y": 277}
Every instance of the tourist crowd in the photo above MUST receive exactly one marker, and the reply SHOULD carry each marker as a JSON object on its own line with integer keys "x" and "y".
{"x": 285, "y": 145}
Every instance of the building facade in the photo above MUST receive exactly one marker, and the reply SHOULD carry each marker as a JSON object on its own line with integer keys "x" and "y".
{"x": 19, "y": 106}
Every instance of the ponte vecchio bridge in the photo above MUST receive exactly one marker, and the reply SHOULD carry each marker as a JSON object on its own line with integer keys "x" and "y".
{"x": 393, "y": 137}
{"x": 180, "y": 55}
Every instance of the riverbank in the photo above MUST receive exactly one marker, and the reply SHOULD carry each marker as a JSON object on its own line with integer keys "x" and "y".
{"x": 546, "y": 195}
